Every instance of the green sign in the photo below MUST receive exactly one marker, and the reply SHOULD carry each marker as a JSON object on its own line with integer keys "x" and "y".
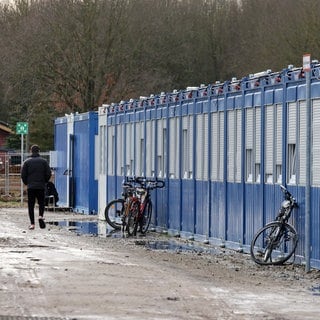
{"x": 22, "y": 128}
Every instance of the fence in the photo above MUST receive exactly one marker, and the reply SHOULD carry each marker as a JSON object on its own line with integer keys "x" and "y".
{"x": 10, "y": 167}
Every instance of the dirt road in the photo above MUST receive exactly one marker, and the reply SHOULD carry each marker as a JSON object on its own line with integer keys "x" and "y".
{"x": 58, "y": 274}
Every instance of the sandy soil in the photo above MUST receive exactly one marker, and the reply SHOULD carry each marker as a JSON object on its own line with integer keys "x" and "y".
{"x": 56, "y": 273}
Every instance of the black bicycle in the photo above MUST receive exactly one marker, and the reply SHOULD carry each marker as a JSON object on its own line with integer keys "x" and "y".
{"x": 276, "y": 242}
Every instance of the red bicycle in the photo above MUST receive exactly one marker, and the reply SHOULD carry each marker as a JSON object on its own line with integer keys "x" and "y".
{"x": 139, "y": 210}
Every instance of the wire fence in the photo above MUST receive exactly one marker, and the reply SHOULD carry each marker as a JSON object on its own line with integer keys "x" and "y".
{"x": 10, "y": 168}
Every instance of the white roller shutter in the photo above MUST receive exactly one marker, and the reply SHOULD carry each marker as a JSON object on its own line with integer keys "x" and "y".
{"x": 257, "y": 135}
{"x": 302, "y": 142}
{"x": 269, "y": 138}
{"x": 249, "y": 128}
{"x": 278, "y": 138}
{"x": 190, "y": 146}
{"x": 214, "y": 146}
{"x": 315, "y": 147}
{"x": 231, "y": 145}
{"x": 221, "y": 146}
{"x": 205, "y": 146}
{"x": 149, "y": 148}
{"x": 111, "y": 149}
{"x": 173, "y": 147}
{"x": 239, "y": 145}
{"x": 119, "y": 147}
{"x": 292, "y": 123}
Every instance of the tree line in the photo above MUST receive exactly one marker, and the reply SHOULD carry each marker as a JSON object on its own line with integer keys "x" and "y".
{"x": 62, "y": 56}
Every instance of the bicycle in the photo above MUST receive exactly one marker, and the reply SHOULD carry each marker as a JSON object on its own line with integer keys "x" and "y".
{"x": 276, "y": 242}
{"x": 139, "y": 210}
{"x": 115, "y": 210}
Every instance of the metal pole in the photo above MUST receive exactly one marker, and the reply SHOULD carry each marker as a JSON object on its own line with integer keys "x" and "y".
{"x": 21, "y": 168}
{"x": 308, "y": 169}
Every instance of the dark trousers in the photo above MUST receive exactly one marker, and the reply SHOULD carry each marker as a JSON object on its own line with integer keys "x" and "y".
{"x": 33, "y": 195}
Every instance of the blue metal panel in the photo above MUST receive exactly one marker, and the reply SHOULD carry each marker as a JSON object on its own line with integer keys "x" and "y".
{"x": 85, "y": 186}
{"x": 217, "y": 211}
{"x": 272, "y": 201}
{"x": 214, "y": 104}
{"x": 292, "y": 94}
{"x": 238, "y": 101}
{"x": 206, "y": 105}
{"x": 269, "y": 96}
{"x": 235, "y": 214}
{"x": 174, "y": 198}
{"x": 61, "y": 179}
{"x": 161, "y": 207}
{"x": 253, "y": 210}
{"x": 248, "y": 100}
{"x": 230, "y": 102}
{"x": 187, "y": 207}
{"x": 199, "y": 106}
{"x": 184, "y": 108}
{"x": 315, "y": 90}
{"x": 301, "y": 92}
{"x": 202, "y": 208}
{"x": 257, "y": 99}
{"x": 221, "y": 103}
{"x": 315, "y": 221}
{"x": 278, "y": 95}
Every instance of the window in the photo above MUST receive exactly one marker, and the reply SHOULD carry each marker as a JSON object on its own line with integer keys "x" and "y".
{"x": 292, "y": 164}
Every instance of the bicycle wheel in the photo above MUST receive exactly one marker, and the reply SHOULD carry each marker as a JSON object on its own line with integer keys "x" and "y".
{"x": 132, "y": 219}
{"x": 274, "y": 244}
{"x": 146, "y": 217}
{"x": 114, "y": 212}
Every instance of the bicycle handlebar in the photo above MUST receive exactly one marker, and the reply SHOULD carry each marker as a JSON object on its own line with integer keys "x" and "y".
{"x": 148, "y": 183}
{"x": 288, "y": 195}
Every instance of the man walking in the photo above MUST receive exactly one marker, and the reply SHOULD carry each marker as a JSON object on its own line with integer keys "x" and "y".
{"x": 35, "y": 173}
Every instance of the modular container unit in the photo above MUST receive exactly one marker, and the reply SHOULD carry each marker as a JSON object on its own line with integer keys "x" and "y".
{"x": 75, "y": 175}
{"x": 223, "y": 150}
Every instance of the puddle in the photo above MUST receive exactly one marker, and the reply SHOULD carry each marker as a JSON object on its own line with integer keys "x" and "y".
{"x": 92, "y": 228}
{"x": 172, "y": 245}
{"x": 101, "y": 229}
{"x": 315, "y": 290}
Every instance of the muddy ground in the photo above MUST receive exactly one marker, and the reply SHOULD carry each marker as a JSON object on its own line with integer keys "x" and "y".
{"x": 59, "y": 273}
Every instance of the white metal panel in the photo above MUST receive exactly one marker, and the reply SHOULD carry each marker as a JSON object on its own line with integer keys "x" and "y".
{"x": 221, "y": 146}
{"x": 214, "y": 146}
{"x": 149, "y": 139}
{"x": 205, "y": 146}
{"x": 269, "y": 140}
{"x": 315, "y": 148}
{"x": 238, "y": 145}
{"x": 257, "y": 135}
{"x": 111, "y": 149}
{"x": 200, "y": 146}
{"x": 173, "y": 147}
{"x": 231, "y": 145}
{"x": 249, "y": 128}
{"x": 119, "y": 148}
{"x": 278, "y": 133}
{"x": 292, "y": 123}
{"x": 190, "y": 146}
{"x": 129, "y": 150}
{"x": 302, "y": 142}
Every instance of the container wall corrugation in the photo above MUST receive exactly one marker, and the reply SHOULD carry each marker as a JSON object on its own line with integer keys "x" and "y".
{"x": 202, "y": 208}
{"x": 235, "y": 216}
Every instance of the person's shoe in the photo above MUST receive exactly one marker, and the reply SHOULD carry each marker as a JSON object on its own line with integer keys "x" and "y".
{"x": 42, "y": 224}
{"x": 31, "y": 227}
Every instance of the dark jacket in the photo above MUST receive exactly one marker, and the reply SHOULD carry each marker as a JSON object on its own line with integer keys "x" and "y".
{"x": 35, "y": 172}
